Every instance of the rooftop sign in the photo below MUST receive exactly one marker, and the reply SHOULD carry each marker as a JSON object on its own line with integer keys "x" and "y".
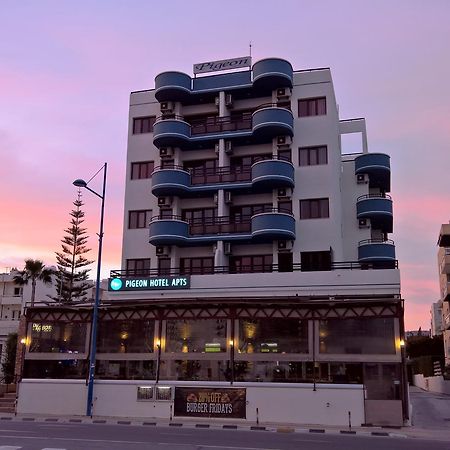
{"x": 224, "y": 64}
{"x": 145, "y": 284}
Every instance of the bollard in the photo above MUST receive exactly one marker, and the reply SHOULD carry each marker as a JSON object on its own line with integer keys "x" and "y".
{"x": 257, "y": 416}
{"x": 349, "y": 420}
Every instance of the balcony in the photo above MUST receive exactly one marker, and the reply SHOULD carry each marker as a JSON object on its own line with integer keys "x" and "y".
{"x": 272, "y": 73}
{"x": 377, "y": 208}
{"x": 263, "y": 227}
{"x": 444, "y": 235}
{"x": 377, "y": 251}
{"x": 378, "y": 167}
{"x": 172, "y": 86}
{"x": 444, "y": 264}
{"x": 262, "y": 176}
{"x": 267, "y": 122}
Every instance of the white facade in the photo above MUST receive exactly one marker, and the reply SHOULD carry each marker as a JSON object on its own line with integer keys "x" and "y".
{"x": 436, "y": 318}
{"x": 444, "y": 284}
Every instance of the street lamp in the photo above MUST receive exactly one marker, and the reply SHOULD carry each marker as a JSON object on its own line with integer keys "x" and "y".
{"x": 93, "y": 350}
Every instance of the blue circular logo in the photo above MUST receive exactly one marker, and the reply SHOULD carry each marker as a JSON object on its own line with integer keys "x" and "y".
{"x": 116, "y": 284}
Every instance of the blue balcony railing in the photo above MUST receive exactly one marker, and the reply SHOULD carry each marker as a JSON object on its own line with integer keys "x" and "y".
{"x": 273, "y": 73}
{"x": 376, "y": 250}
{"x": 378, "y": 167}
{"x": 377, "y": 208}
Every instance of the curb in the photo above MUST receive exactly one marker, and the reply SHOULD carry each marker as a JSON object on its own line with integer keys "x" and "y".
{"x": 275, "y": 429}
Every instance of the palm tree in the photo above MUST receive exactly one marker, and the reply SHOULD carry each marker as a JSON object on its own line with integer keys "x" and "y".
{"x": 34, "y": 270}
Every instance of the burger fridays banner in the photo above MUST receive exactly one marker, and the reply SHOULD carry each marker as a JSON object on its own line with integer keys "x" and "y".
{"x": 210, "y": 402}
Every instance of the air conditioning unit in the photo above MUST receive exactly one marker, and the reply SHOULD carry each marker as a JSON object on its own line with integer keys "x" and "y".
{"x": 284, "y": 193}
{"x": 284, "y": 141}
{"x": 364, "y": 223}
{"x": 217, "y": 148}
{"x": 217, "y": 101}
{"x": 362, "y": 178}
{"x": 228, "y": 147}
{"x": 165, "y": 152}
{"x": 164, "y": 201}
{"x": 227, "y": 248}
{"x": 283, "y": 94}
{"x": 167, "y": 107}
{"x": 162, "y": 250}
{"x": 285, "y": 246}
{"x": 228, "y": 100}
{"x": 228, "y": 198}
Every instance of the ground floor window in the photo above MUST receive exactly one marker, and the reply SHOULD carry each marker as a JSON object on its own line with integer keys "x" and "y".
{"x": 59, "y": 369}
{"x": 196, "y": 370}
{"x": 126, "y": 370}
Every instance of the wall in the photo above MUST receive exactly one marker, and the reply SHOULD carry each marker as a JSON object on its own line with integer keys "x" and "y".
{"x": 432, "y": 384}
{"x": 282, "y": 403}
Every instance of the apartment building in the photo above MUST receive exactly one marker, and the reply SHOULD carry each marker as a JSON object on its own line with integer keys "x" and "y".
{"x": 444, "y": 285}
{"x": 257, "y": 264}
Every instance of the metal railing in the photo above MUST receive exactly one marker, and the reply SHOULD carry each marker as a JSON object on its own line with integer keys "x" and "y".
{"x": 263, "y": 268}
{"x": 376, "y": 241}
{"x": 380, "y": 195}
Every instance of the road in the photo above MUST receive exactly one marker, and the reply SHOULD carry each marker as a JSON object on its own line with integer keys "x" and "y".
{"x": 430, "y": 410}
{"x": 17, "y": 435}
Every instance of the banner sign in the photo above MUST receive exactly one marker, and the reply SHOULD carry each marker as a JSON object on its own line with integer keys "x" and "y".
{"x": 210, "y": 402}
{"x": 224, "y": 64}
{"x": 142, "y": 284}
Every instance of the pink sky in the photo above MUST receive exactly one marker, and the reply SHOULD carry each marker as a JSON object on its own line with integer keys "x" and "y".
{"x": 66, "y": 71}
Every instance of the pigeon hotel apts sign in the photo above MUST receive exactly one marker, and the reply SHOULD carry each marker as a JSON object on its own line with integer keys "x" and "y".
{"x": 224, "y": 64}
{"x": 210, "y": 402}
{"x": 142, "y": 284}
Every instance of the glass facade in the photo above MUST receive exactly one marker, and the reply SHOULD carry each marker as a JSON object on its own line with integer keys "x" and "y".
{"x": 196, "y": 336}
{"x": 57, "y": 337}
{"x": 59, "y": 369}
{"x": 196, "y": 370}
{"x": 357, "y": 336}
{"x": 125, "y": 370}
{"x": 273, "y": 336}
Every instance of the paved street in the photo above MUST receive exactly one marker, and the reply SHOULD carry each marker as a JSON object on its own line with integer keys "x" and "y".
{"x": 16, "y": 435}
{"x": 431, "y": 411}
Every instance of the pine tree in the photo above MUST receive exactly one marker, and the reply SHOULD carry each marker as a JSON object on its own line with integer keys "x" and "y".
{"x": 72, "y": 275}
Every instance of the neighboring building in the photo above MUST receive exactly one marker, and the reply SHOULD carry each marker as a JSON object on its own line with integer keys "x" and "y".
{"x": 436, "y": 318}
{"x": 417, "y": 333}
{"x": 256, "y": 263}
{"x": 13, "y": 299}
{"x": 444, "y": 285}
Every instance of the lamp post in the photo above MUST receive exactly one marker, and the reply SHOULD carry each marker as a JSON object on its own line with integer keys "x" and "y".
{"x": 93, "y": 350}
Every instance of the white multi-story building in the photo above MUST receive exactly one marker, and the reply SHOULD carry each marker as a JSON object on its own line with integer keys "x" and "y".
{"x": 436, "y": 318}
{"x": 256, "y": 261}
{"x": 444, "y": 285}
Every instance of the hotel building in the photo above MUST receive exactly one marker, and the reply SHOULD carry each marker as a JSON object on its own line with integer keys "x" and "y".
{"x": 444, "y": 286}
{"x": 256, "y": 262}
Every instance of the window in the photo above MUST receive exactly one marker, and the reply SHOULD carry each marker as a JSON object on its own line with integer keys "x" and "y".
{"x": 51, "y": 337}
{"x": 285, "y": 206}
{"x": 313, "y": 156}
{"x": 316, "y": 208}
{"x": 192, "y": 266}
{"x": 312, "y": 107}
{"x": 316, "y": 261}
{"x": 139, "y": 219}
{"x": 238, "y": 213}
{"x": 143, "y": 169}
{"x": 249, "y": 264}
{"x": 18, "y": 291}
{"x": 285, "y": 155}
{"x": 126, "y": 370}
{"x": 138, "y": 266}
{"x": 143, "y": 124}
{"x": 163, "y": 266}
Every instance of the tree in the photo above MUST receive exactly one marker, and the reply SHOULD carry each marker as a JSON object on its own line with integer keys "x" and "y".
{"x": 72, "y": 274}
{"x": 9, "y": 359}
{"x": 34, "y": 270}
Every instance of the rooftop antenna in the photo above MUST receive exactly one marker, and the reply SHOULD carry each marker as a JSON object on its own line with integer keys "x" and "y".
{"x": 250, "y": 46}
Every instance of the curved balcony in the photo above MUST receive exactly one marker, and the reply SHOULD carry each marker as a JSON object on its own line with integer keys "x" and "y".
{"x": 272, "y": 174}
{"x": 172, "y": 86}
{"x": 270, "y": 122}
{"x": 171, "y": 132}
{"x": 378, "y": 167}
{"x": 262, "y": 227}
{"x": 168, "y": 231}
{"x": 377, "y": 208}
{"x": 272, "y": 73}
{"x": 376, "y": 250}
{"x": 276, "y": 224}
{"x": 170, "y": 182}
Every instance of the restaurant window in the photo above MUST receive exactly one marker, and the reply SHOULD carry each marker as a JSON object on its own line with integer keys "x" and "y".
{"x": 313, "y": 156}
{"x": 52, "y": 337}
{"x": 193, "y": 266}
{"x": 312, "y": 107}
{"x": 315, "y": 261}
{"x": 139, "y": 219}
{"x": 252, "y": 263}
{"x": 138, "y": 267}
{"x": 125, "y": 336}
{"x": 196, "y": 370}
{"x": 274, "y": 335}
{"x": 357, "y": 336}
{"x": 57, "y": 369}
{"x": 316, "y": 208}
{"x": 143, "y": 124}
{"x": 142, "y": 169}
{"x": 196, "y": 336}
{"x": 125, "y": 370}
